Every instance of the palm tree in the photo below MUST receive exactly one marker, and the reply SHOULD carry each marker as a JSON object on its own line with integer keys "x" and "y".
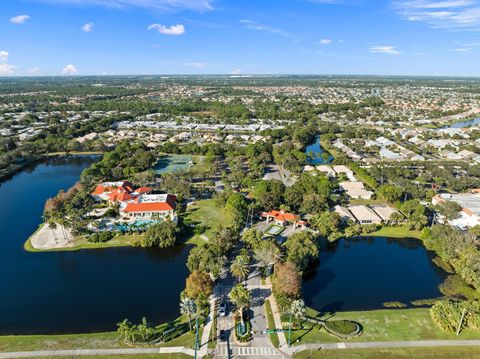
{"x": 241, "y": 298}
{"x": 267, "y": 254}
{"x": 189, "y": 308}
{"x": 240, "y": 267}
{"x": 297, "y": 310}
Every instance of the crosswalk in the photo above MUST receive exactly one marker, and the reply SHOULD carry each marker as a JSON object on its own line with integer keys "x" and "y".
{"x": 222, "y": 352}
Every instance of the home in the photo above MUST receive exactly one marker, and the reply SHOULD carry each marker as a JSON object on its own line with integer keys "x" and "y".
{"x": 469, "y": 215}
{"x": 152, "y": 206}
{"x": 355, "y": 190}
{"x": 365, "y": 215}
{"x": 344, "y": 213}
{"x": 283, "y": 218}
{"x": 384, "y": 211}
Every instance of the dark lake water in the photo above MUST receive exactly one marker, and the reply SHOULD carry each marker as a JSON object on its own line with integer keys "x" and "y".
{"x": 317, "y": 151}
{"x": 83, "y": 291}
{"x": 363, "y": 273}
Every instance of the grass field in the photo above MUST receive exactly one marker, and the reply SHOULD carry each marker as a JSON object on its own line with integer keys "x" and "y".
{"x": 393, "y": 353}
{"x": 381, "y": 325}
{"x": 126, "y": 356}
{"x": 9, "y": 343}
{"x": 271, "y": 324}
{"x": 206, "y": 214}
{"x": 395, "y": 232}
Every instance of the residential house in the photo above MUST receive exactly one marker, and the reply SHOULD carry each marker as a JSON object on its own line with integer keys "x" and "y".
{"x": 365, "y": 215}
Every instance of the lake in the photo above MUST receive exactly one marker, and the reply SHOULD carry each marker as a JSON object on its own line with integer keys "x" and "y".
{"x": 82, "y": 291}
{"x": 363, "y": 273}
{"x": 317, "y": 151}
{"x": 464, "y": 124}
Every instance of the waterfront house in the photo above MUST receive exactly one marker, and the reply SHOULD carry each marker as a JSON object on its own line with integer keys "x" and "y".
{"x": 365, "y": 215}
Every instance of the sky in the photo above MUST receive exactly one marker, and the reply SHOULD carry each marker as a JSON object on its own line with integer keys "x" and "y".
{"x": 361, "y": 37}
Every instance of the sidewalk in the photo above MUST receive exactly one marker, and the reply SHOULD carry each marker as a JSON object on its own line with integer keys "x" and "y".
{"x": 278, "y": 322}
{"x": 207, "y": 329}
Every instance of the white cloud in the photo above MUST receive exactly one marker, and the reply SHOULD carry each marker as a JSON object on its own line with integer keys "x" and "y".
{"x": 33, "y": 71}
{"x": 4, "y": 55}
{"x": 448, "y": 14}
{"x": 88, "y": 27}
{"x": 168, "y": 30}
{"x": 236, "y": 72}
{"x": 385, "y": 49}
{"x": 6, "y": 69}
{"x": 325, "y": 41}
{"x": 69, "y": 70}
{"x": 20, "y": 19}
{"x": 156, "y": 5}
{"x": 196, "y": 65}
{"x": 252, "y": 25}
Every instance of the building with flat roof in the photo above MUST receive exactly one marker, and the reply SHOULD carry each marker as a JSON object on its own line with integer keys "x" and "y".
{"x": 384, "y": 212}
{"x": 344, "y": 213}
{"x": 365, "y": 215}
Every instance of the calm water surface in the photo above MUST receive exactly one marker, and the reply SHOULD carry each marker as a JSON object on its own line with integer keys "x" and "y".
{"x": 79, "y": 291}
{"x": 464, "y": 124}
{"x": 360, "y": 274}
{"x": 317, "y": 151}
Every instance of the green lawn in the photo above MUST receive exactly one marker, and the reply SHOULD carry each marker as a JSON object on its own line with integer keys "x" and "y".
{"x": 10, "y": 343}
{"x": 366, "y": 201}
{"x": 271, "y": 324}
{"x": 393, "y": 353}
{"x": 51, "y": 342}
{"x": 126, "y": 356}
{"x": 394, "y": 232}
{"x": 206, "y": 213}
{"x": 381, "y": 325}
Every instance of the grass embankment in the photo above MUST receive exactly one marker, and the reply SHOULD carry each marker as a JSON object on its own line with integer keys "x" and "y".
{"x": 380, "y": 325}
{"x": 206, "y": 217}
{"x": 393, "y": 353}
{"x": 127, "y": 356}
{"x": 80, "y": 242}
{"x": 394, "y": 232}
{"x": 107, "y": 340}
{"x": 271, "y": 324}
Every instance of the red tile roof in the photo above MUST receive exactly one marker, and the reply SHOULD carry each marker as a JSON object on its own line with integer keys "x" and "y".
{"x": 149, "y": 207}
{"x": 281, "y": 216}
{"x": 143, "y": 189}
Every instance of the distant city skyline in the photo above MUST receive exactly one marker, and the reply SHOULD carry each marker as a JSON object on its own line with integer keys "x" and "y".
{"x": 140, "y": 37}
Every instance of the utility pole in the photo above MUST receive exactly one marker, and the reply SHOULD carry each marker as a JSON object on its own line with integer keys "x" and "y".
{"x": 196, "y": 336}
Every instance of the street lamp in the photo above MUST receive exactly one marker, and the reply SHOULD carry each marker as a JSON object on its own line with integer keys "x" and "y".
{"x": 290, "y": 331}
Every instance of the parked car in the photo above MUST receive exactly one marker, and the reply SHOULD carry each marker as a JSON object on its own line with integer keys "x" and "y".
{"x": 223, "y": 335}
{"x": 222, "y": 311}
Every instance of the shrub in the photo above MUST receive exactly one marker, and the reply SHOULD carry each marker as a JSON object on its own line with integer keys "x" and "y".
{"x": 100, "y": 237}
{"x": 248, "y": 335}
{"x": 341, "y": 327}
{"x": 446, "y": 314}
{"x": 394, "y": 305}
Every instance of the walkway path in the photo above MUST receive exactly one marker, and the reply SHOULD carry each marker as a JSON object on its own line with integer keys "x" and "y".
{"x": 206, "y": 330}
{"x": 396, "y": 344}
{"x": 244, "y": 351}
{"x": 278, "y": 320}
{"x": 92, "y": 352}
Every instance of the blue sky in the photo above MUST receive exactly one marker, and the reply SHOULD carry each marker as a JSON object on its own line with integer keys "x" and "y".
{"x": 90, "y": 37}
